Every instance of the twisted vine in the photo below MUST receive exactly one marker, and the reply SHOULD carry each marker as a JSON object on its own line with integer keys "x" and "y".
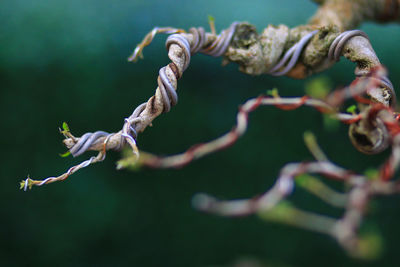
{"x": 278, "y": 51}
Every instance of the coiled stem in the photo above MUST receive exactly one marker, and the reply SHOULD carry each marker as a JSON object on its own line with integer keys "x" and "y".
{"x": 180, "y": 46}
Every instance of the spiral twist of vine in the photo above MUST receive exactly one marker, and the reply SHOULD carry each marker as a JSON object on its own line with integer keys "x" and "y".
{"x": 291, "y": 57}
{"x": 180, "y": 47}
{"x": 368, "y": 135}
{"x": 336, "y": 50}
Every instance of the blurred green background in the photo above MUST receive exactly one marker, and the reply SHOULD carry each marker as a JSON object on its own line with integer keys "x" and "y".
{"x": 66, "y": 61}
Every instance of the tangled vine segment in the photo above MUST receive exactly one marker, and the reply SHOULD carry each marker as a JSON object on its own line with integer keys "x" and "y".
{"x": 182, "y": 45}
{"x": 298, "y": 53}
{"x": 272, "y": 205}
{"x": 378, "y": 134}
{"x": 292, "y": 55}
{"x": 344, "y": 44}
{"x": 242, "y": 119}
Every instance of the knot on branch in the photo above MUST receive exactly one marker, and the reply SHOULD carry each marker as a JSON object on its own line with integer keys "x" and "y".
{"x": 369, "y": 135}
{"x": 278, "y": 50}
{"x": 355, "y": 46}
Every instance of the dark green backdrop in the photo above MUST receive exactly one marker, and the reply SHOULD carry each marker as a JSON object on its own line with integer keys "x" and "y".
{"x": 66, "y": 61}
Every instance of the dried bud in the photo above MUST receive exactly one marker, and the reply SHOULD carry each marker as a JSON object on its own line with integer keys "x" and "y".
{"x": 369, "y": 137}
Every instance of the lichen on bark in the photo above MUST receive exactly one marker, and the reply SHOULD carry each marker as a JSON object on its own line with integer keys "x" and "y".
{"x": 257, "y": 53}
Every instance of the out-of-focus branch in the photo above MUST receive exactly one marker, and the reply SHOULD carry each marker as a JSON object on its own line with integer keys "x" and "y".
{"x": 347, "y": 15}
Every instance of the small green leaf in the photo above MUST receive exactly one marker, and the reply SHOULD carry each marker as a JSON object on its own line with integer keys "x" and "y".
{"x": 352, "y": 109}
{"x": 22, "y": 184}
{"x": 65, "y": 127}
{"x": 66, "y": 154}
{"x": 27, "y": 181}
{"x": 211, "y": 18}
{"x": 129, "y": 160}
{"x": 273, "y": 92}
